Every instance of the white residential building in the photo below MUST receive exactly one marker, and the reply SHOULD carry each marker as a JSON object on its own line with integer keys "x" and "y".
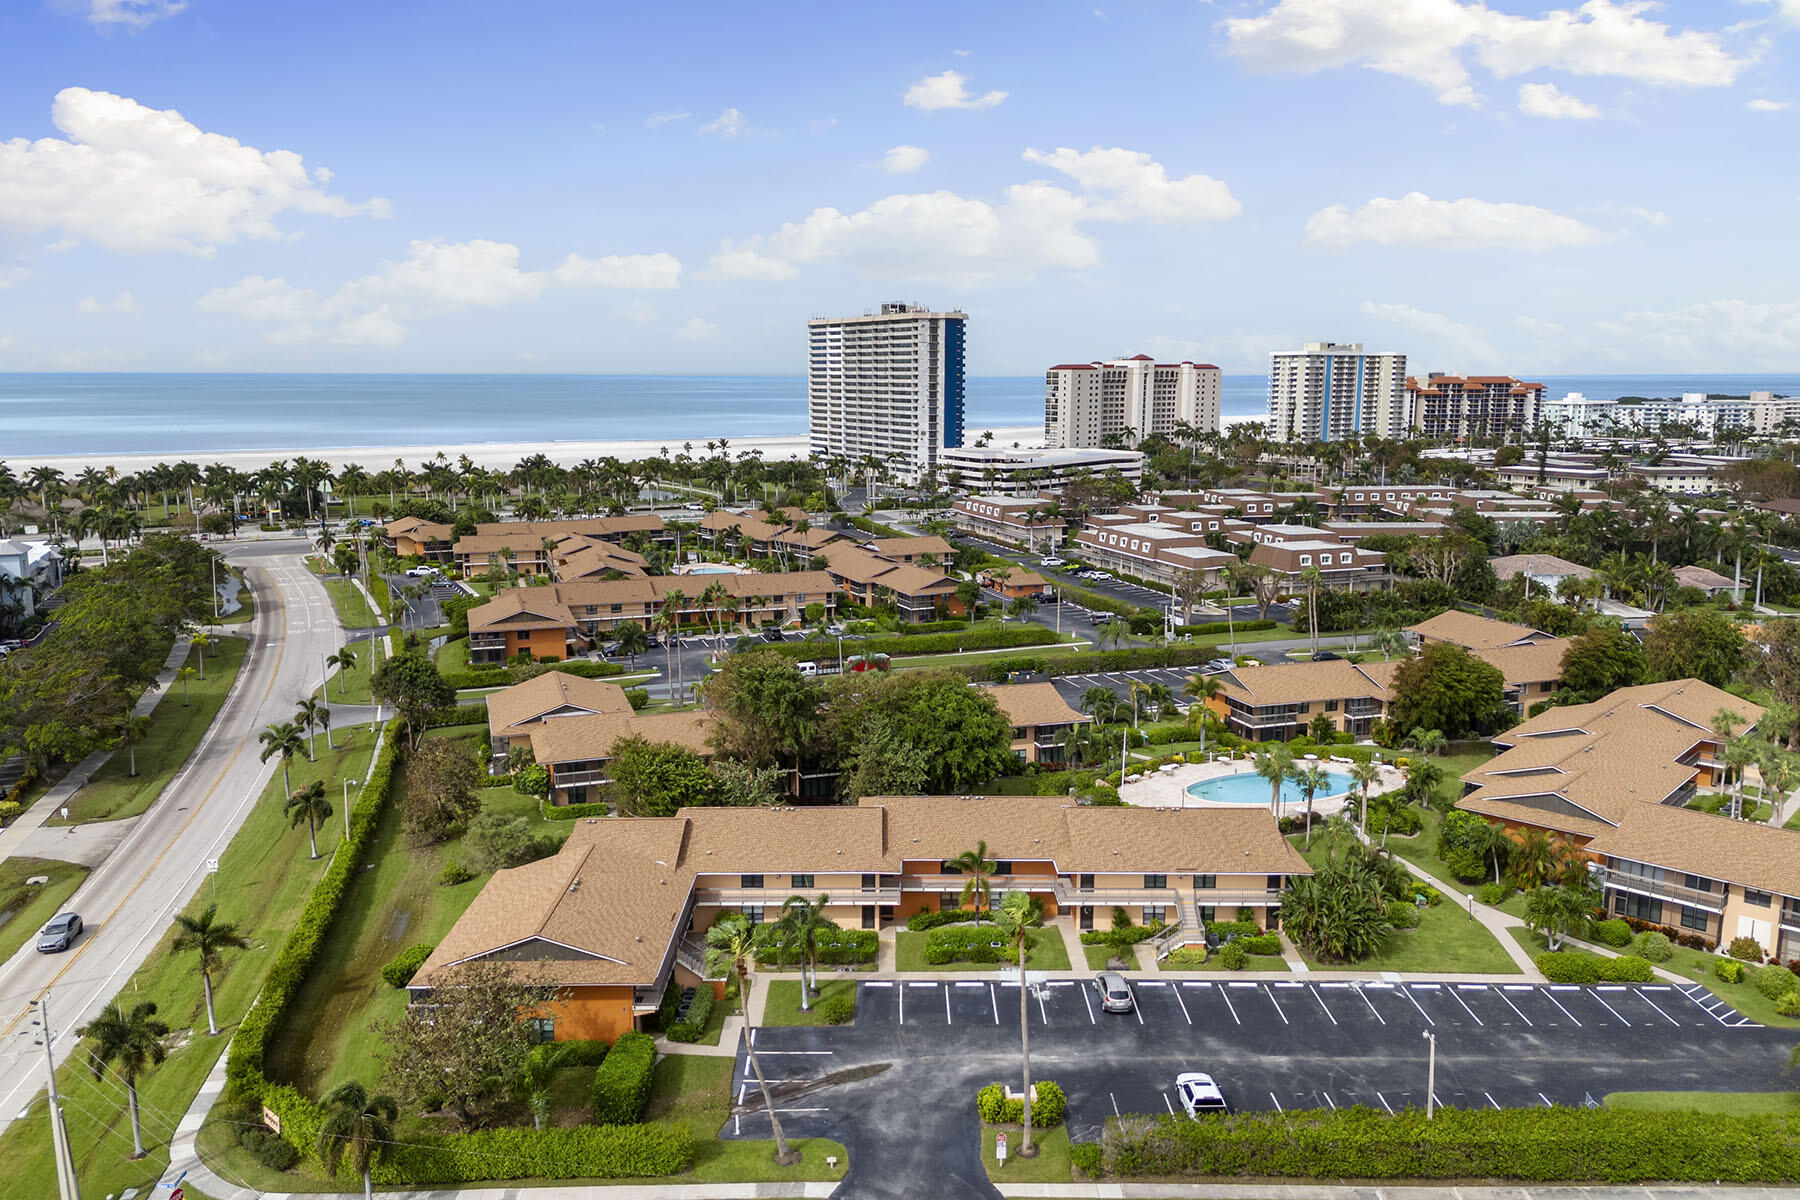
{"x": 1761, "y": 412}
{"x": 887, "y": 385}
{"x": 1327, "y": 391}
{"x": 1577, "y": 416}
{"x": 1087, "y": 403}
{"x": 994, "y": 470}
{"x": 1473, "y": 406}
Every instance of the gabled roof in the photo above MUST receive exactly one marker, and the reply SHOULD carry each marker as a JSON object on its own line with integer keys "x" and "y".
{"x": 1302, "y": 682}
{"x": 591, "y": 737}
{"x": 1035, "y": 704}
{"x": 1510, "y": 565}
{"x": 511, "y": 707}
{"x": 521, "y": 608}
{"x": 1693, "y": 842}
{"x": 904, "y": 547}
{"x": 1474, "y": 632}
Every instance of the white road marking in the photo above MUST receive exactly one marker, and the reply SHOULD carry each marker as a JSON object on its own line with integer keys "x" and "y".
{"x": 1546, "y": 1100}
{"x": 947, "y": 1019}
{"x": 1491, "y": 1100}
{"x": 901, "y": 992}
{"x": 1415, "y": 1004}
{"x": 1089, "y": 1004}
{"x": 1168, "y": 1105}
{"x": 1565, "y": 1012}
{"x": 1371, "y": 1004}
{"x": 994, "y": 999}
{"x": 1277, "y": 1100}
{"x": 1115, "y": 1103}
{"x": 1329, "y": 1100}
{"x": 1653, "y": 1004}
{"x": 1277, "y": 1004}
{"x": 1183, "y": 1003}
{"x": 1508, "y": 1001}
{"x": 1226, "y": 993}
{"x": 1324, "y": 1006}
{"x": 1458, "y": 997}
{"x": 1385, "y": 1104}
{"x": 1609, "y": 1008}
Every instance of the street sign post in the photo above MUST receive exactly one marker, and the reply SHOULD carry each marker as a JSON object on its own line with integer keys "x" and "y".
{"x": 1000, "y": 1147}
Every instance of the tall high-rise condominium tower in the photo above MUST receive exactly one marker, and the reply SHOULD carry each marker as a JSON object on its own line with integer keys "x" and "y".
{"x": 1087, "y": 403}
{"x": 886, "y": 385}
{"x": 1329, "y": 390}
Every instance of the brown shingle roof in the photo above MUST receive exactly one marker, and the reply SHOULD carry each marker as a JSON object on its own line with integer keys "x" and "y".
{"x": 904, "y": 547}
{"x": 1537, "y": 662}
{"x": 1035, "y": 704}
{"x": 1510, "y": 565}
{"x": 581, "y": 738}
{"x": 521, "y": 608}
{"x": 1296, "y": 683}
{"x": 1683, "y": 839}
{"x": 1473, "y": 632}
{"x": 523, "y": 702}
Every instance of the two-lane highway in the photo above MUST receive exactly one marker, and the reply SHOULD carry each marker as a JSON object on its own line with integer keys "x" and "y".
{"x": 131, "y": 898}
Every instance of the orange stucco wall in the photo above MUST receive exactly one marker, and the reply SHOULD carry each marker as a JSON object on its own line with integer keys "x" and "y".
{"x": 595, "y": 1013}
{"x": 537, "y": 641}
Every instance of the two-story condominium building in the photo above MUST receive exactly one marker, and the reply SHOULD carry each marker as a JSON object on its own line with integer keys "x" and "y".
{"x": 1681, "y": 476}
{"x": 929, "y": 551}
{"x": 916, "y": 593}
{"x": 580, "y": 557}
{"x": 577, "y": 750}
{"x": 794, "y": 538}
{"x": 1530, "y": 672}
{"x": 415, "y": 537}
{"x": 528, "y": 546}
{"x": 31, "y": 570}
{"x": 561, "y": 619}
{"x": 1339, "y": 564}
{"x": 1151, "y": 550}
{"x": 1015, "y": 583}
{"x": 1024, "y": 520}
{"x": 1466, "y": 406}
{"x": 1277, "y": 702}
{"x": 1250, "y": 505}
{"x": 1041, "y": 720}
{"x": 514, "y": 712}
{"x": 624, "y": 905}
{"x": 1474, "y": 632}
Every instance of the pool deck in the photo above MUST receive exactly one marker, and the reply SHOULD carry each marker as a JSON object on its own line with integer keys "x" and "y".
{"x": 1167, "y": 788}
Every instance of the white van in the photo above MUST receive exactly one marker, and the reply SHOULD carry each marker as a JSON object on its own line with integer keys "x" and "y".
{"x": 808, "y": 668}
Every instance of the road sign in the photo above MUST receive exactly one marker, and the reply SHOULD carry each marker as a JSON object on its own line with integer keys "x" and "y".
{"x": 999, "y": 1147}
{"x": 212, "y": 864}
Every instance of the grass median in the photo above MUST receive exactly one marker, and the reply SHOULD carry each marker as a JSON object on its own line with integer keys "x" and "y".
{"x": 1049, "y": 954}
{"x": 353, "y": 612}
{"x": 25, "y": 907}
{"x": 175, "y": 731}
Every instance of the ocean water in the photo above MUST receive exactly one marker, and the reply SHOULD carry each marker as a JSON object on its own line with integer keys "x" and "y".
{"x": 190, "y": 415}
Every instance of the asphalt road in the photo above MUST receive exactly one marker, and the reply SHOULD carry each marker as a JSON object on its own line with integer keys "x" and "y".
{"x": 1314, "y": 1042}
{"x": 129, "y": 900}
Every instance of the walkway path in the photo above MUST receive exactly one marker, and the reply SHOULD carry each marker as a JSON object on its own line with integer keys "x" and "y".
{"x": 1492, "y": 919}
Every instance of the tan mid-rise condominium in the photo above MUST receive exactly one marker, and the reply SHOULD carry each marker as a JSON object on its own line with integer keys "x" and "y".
{"x": 886, "y": 386}
{"x": 1328, "y": 391}
{"x": 1126, "y": 399}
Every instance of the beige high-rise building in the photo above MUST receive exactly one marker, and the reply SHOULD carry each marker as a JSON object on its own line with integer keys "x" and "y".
{"x": 1087, "y": 403}
{"x": 887, "y": 385}
{"x": 1464, "y": 406}
{"x": 1327, "y": 391}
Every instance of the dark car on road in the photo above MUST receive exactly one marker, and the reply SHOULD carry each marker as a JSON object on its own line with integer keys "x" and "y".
{"x": 60, "y": 933}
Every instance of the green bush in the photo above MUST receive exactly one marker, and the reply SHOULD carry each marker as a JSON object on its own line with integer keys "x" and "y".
{"x": 1233, "y": 956}
{"x": 699, "y": 1013}
{"x": 453, "y": 874}
{"x": 1087, "y": 1157}
{"x": 1788, "y": 1004}
{"x": 992, "y": 1106}
{"x": 532, "y": 780}
{"x": 949, "y": 626}
{"x": 267, "y": 1148}
{"x": 1730, "y": 970}
{"x": 838, "y": 1010}
{"x": 10, "y": 809}
{"x": 1569, "y": 966}
{"x": 1212, "y": 627}
{"x": 1493, "y": 893}
{"x": 399, "y": 973}
{"x": 1186, "y": 957}
{"x": 580, "y": 1052}
{"x": 1524, "y": 1144}
{"x": 574, "y": 812}
{"x": 835, "y": 947}
{"x": 1775, "y": 981}
{"x": 1262, "y": 943}
{"x": 1121, "y": 935}
{"x": 1627, "y": 968}
{"x": 1615, "y": 933}
{"x": 936, "y": 643}
{"x": 958, "y": 943}
{"x": 622, "y": 1082}
{"x": 1745, "y": 949}
{"x": 491, "y": 677}
{"x": 460, "y": 714}
{"x": 1655, "y": 947}
{"x": 583, "y": 1152}
{"x": 1233, "y": 928}
{"x": 949, "y": 916}
{"x": 637, "y": 697}
{"x": 1402, "y": 914}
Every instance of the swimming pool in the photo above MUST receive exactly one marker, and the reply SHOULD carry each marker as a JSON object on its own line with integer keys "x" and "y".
{"x": 1251, "y": 788}
{"x": 715, "y": 569}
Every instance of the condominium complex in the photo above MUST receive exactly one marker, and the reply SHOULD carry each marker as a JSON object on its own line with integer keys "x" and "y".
{"x": 1579, "y": 416}
{"x": 991, "y": 470}
{"x": 1465, "y": 406}
{"x": 1327, "y": 391}
{"x": 1085, "y": 404}
{"x": 887, "y": 385}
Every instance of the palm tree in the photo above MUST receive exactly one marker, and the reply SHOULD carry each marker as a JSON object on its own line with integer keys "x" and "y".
{"x": 1390, "y": 642}
{"x": 1077, "y": 741}
{"x": 1428, "y": 742}
{"x": 1310, "y": 780}
{"x": 1490, "y": 841}
{"x": 1273, "y": 765}
{"x": 632, "y": 639}
{"x": 306, "y": 716}
{"x": 184, "y": 674}
{"x": 1365, "y": 775}
{"x": 200, "y": 641}
{"x": 133, "y": 728}
{"x": 1534, "y": 859}
{"x": 1201, "y": 689}
{"x": 803, "y": 920}
{"x": 345, "y": 662}
{"x": 730, "y": 947}
{"x": 538, "y": 1073}
{"x": 129, "y": 1041}
{"x": 285, "y": 739}
{"x": 979, "y": 869}
{"x": 310, "y": 805}
{"x": 1312, "y": 577}
{"x": 209, "y": 937}
{"x": 358, "y": 1124}
{"x": 1018, "y": 915}
{"x": 1556, "y": 912}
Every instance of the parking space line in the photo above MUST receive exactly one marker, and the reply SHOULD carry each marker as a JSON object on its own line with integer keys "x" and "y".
{"x": 1639, "y": 993}
{"x": 947, "y": 1019}
{"x": 1546, "y": 1100}
{"x": 1166, "y": 1105}
{"x": 1408, "y": 994}
{"x": 1565, "y": 1012}
{"x": 1704, "y": 1007}
{"x": 900, "y": 992}
{"x": 1115, "y": 1103}
{"x": 1277, "y": 1100}
{"x": 1277, "y": 1004}
{"x": 1371, "y": 1004}
{"x": 1137, "y": 1010}
{"x": 1457, "y": 996}
{"x": 1153, "y": 983}
{"x": 994, "y": 999}
{"x": 1226, "y": 993}
{"x": 1183, "y": 1003}
{"x": 1329, "y": 1100}
{"x": 1042, "y": 1011}
{"x": 1196, "y": 983}
{"x": 1323, "y": 1005}
{"x": 1609, "y": 1008}
{"x": 1089, "y": 1004}
{"x": 1491, "y": 1100}
{"x": 1508, "y": 1001}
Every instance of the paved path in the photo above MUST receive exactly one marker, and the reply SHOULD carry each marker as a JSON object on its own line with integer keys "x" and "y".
{"x": 88, "y": 844}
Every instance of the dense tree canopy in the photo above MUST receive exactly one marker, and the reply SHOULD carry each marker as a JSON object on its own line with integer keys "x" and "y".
{"x": 931, "y": 723}
{"x": 1598, "y": 661}
{"x": 411, "y": 683}
{"x": 654, "y": 779}
{"x": 1448, "y": 689}
{"x": 1702, "y": 644}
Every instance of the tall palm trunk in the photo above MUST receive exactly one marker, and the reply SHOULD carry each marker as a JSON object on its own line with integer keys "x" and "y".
{"x": 212, "y": 1024}
{"x": 312, "y": 836}
{"x": 137, "y": 1129}
{"x": 1026, "y": 1149}
{"x": 781, "y": 1146}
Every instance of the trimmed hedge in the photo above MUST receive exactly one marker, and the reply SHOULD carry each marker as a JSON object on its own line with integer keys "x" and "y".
{"x": 580, "y": 1052}
{"x": 913, "y": 645}
{"x": 1533, "y": 1144}
{"x": 922, "y": 627}
{"x": 992, "y": 1106}
{"x": 949, "y": 916}
{"x": 1729, "y": 970}
{"x": 836, "y": 947}
{"x": 1214, "y": 627}
{"x": 958, "y": 943}
{"x": 622, "y": 1083}
{"x": 574, "y": 812}
{"x": 244, "y": 1064}
{"x": 699, "y": 1013}
{"x": 1569, "y": 966}
{"x": 1627, "y": 968}
{"x": 1615, "y": 933}
{"x": 583, "y": 1152}
{"x": 486, "y": 677}
{"x": 461, "y": 714}
{"x": 406, "y": 964}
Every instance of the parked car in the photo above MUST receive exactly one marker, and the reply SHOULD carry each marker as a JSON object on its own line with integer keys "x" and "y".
{"x": 1327, "y": 656}
{"x": 1199, "y": 1094}
{"x": 1218, "y": 664}
{"x": 1114, "y": 992}
{"x": 60, "y": 933}
{"x": 694, "y": 507}
{"x": 809, "y": 669}
{"x": 1050, "y": 562}
{"x": 421, "y": 572}
{"x": 773, "y": 634}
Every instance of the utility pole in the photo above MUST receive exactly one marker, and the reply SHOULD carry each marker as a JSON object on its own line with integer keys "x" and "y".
{"x": 1431, "y": 1075}
{"x": 68, "y": 1188}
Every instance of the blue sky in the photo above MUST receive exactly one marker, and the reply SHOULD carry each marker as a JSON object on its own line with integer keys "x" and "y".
{"x": 251, "y": 185}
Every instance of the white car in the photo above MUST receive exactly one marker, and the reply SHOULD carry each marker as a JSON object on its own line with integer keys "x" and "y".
{"x": 694, "y": 507}
{"x": 1050, "y": 562}
{"x": 421, "y": 572}
{"x": 1199, "y": 1094}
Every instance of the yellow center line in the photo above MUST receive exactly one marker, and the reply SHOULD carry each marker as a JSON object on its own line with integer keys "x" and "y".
{"x": 280, "y": 650}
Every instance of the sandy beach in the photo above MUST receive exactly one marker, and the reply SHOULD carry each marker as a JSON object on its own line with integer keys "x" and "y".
{"x": 492, "y": 455}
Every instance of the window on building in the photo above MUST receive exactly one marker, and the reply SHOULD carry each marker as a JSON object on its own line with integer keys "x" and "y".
{"x": 750, "y": 881}
{"x": 1153, "y": 913}
{"x": 1304, "y": 708}
{"x": 1693, "y": 918}
{"x": 1630, "y": 904}
{"x": 754, "y": 912}
{"x": 803, "y": 882}
{"x": 1756, "y": 898}
{"x": 542, "y": 1029}
{"x": 1330, "y": 706}
{"x": 1700, "y": 883}
{"x": 1206, "y": 882}
{"x": 1156, "y": 881}
{"x": 1306, "y": 560}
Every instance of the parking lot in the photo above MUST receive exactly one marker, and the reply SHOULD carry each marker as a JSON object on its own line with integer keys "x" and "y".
{"x": 1311, "y": 1042}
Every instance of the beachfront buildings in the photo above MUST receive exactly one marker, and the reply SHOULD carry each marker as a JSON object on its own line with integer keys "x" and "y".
{"x": 29, "y": 571}
{"x": 1328, "y": 391}
{"x": 1124, "y": 399}
{"x": 623, "y": 907}
{"x": 1473, "y": 406}
{"x": 1578, "y": 416}
{"x": 886, "y": 386}
{"x": 997, "y": 470}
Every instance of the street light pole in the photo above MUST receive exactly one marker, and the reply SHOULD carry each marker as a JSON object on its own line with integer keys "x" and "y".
{"x": 67, "y": 1186}
{"x": 1431, "y": 1075}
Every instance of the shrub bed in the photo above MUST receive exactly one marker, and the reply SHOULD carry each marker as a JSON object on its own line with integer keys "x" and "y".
{"x": 1627, "y": 968}
{"x": 622, "y": 1082}
{"x": 836, "y": 947}
{"x": 406, "y": 964}
{"x": 949, "y": 916}
{"x": 994, "y": 1108}
{"x": 1213, "y": 627}
{"x": 838, "y": 1010}
{"x": 1538, "y": 1144}
{"x": 583, "y": 1152}
{"x": 911, "y": 645}
{"x": 1615, "y": 933}
{"x": 699, "y": 1013}
{"x": 957, "y": 943}
{"x": 487, "y": 677}
{"x": 1569, "y": 966}
{"x": 574, "y": 812}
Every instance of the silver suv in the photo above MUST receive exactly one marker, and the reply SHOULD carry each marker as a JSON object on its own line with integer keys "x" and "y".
{"x": 1114, "y": 991}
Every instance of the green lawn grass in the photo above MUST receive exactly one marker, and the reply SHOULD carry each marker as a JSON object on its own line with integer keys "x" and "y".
{"x": 352, "y": 686}
{"x": 696, "y": 1090}
{"x": 1050, "y": 1166}
{"x": 23, "y": 909}
{"x": 263, "y": 880}
{"x": 175, "y": 730}
{"x": 246, "y": 608}
{"x": 353, "y": 611}
{"x": 1049, "y": 954}
{"x": 783, "y": 1004}
{"x": 453, "y": 656}
{"x": 1098, "y": 956}
{"x": 963, "y": 660}
{"x": 1735, "y": 1104}
{"x": 1697, "y": 965}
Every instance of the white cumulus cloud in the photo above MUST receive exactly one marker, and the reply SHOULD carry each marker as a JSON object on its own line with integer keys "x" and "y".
{"x": 1417, "y": 220}
{"x": 663, "y": 118}
{"x": 729, "y": 123}
{"x": 1432, "y": 42}
{"x": 93, "y": 306}
{"x": 1760, "y": 105}
{"x": 132, "y": 14}
{"x": 434, "y": 278}
{"x": 140, "y": 180}
{"x": 1758, "y": 336}
{"x": 949, "y": 90}
{"x": 1468, "y": 342}
{"x": 1137, "y": 186}
{"x": 904, "y": 160}
{"x": 1548, "y": 100}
